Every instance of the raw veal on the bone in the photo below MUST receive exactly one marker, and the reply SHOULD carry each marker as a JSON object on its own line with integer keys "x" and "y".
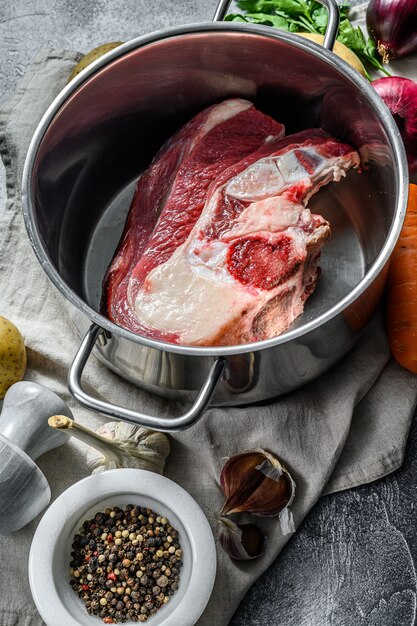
{"x": 236, "y": 262}
{"x": 170, "y": 196}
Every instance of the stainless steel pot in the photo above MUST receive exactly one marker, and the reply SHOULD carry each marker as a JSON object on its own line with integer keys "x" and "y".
{"x": 104, "y": 128}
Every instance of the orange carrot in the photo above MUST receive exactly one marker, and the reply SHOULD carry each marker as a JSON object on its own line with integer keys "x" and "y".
{"x": 402, "y": 291}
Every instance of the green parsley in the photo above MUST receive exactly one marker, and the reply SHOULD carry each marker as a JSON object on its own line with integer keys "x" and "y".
{"x": 308, "y": 16}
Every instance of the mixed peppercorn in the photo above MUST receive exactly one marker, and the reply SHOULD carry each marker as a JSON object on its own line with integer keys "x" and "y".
{"x": 125, "y": 564}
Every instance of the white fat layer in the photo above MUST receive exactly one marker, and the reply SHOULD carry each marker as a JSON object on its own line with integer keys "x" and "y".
{"x": 224, "y": 111}
{"x": 272, "y": 215}
{"x": 299, "y": 240}
{"x": 179, "y": 298}
{"x": 209, "y": 259}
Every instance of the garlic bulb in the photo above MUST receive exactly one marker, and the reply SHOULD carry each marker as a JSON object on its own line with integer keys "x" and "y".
{"x": 118, "y": 444}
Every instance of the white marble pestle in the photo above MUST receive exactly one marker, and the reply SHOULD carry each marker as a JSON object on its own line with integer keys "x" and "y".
{"x": 24, "y": 436}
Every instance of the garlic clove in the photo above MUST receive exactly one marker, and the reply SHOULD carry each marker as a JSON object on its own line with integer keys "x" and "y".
{"x": 117, "y": 445}
{"x": 256, "y": 482}
{"x": 242, "y": 542}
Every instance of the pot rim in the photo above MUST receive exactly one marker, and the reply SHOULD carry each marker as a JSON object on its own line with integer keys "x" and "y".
{"x": 308, "y": 46}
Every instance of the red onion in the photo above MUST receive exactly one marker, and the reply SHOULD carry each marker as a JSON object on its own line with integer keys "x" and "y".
{"x": 392, "y": 24}
{"x": 400, "y": 96}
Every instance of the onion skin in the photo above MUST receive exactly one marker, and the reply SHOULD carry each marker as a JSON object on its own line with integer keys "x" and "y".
{"x": 392, "y": 24}
{"x": 400, "y": 96}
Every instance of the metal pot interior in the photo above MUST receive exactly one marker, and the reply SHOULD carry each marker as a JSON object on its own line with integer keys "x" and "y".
{"x": 109, "y": 128}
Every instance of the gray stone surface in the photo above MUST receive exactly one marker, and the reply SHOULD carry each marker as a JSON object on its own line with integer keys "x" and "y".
{"x": 27, "y": 25}
{"x": 352, "y": 561}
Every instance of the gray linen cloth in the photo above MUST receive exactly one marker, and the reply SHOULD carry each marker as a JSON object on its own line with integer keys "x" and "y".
{"x": 346, "y": 428}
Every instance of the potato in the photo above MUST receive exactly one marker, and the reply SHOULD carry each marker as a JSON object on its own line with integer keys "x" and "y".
{"x": 12, "y": 355}
{"x": 93, "y": 55}
{"x": 340, "y": 49}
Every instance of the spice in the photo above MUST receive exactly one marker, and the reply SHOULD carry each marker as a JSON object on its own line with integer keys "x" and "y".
{"x": 119, "y": 566}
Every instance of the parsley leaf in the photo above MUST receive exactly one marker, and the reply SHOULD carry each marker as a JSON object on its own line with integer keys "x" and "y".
{"x": 291, "y": 7}
{"x": 261, "y": 18}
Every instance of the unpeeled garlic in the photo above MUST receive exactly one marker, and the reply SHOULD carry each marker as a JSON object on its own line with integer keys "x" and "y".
{"x": 118, "y": 444}
{"x": 242, "y": 542}
{"x": 256, "y": 482}
{"x": 253, "y": 482}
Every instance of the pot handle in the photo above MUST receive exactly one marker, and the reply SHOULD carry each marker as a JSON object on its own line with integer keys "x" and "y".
{"x": 332, "y": 24}
{"x": 166, "y": 424}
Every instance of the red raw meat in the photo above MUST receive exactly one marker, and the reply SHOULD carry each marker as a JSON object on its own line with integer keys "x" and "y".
{"x": 250, "y": 261}
{"x": 170, "y": 196}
